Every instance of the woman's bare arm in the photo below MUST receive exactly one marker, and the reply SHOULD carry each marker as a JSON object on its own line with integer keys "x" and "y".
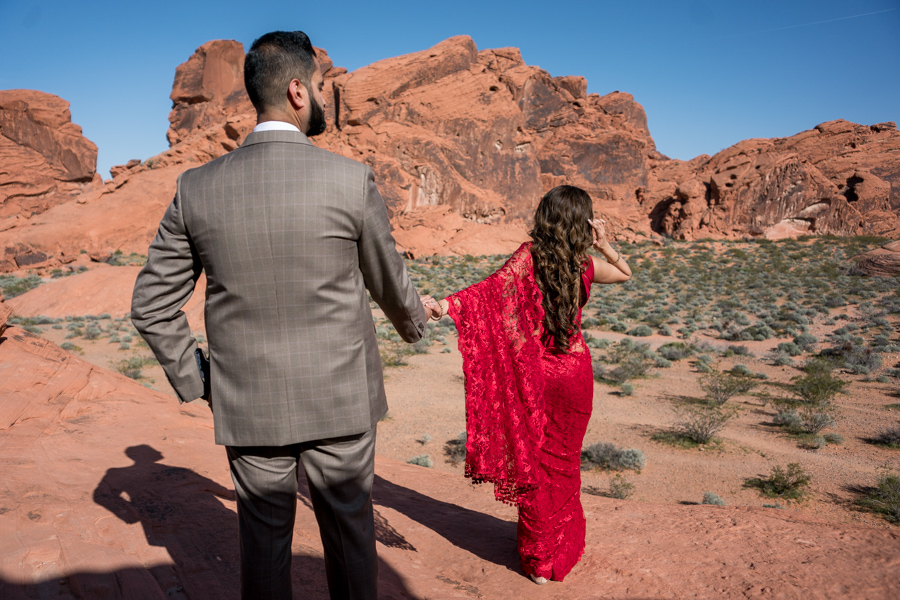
{"x": 614, "y": 269}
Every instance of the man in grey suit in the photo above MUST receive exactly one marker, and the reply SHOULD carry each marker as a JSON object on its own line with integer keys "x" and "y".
{"x": 290, "y": 237}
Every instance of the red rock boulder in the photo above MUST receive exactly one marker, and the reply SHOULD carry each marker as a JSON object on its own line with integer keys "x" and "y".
{"x": 44, "y": 158}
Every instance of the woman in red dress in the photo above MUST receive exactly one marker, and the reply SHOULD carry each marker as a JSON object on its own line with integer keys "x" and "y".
{"x": 529, "y": 383}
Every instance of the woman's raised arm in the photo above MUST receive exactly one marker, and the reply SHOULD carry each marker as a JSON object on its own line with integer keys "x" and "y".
{"x": 614, "y": 269}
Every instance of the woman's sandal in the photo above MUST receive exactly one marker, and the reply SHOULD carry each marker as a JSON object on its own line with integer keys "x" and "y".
{"x": 538, "y": 580}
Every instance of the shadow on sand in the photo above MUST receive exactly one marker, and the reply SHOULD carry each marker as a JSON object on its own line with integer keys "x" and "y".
{"x": 181, "y": 511}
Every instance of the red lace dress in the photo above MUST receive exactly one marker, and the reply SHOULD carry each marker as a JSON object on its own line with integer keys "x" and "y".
{"x": 527, "y": 409}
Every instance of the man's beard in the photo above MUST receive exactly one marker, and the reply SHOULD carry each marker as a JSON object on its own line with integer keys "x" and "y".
{"x": 316, "y": 123}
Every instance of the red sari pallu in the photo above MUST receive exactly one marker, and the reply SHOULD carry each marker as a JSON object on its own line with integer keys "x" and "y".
{"x": 527, "y": 409}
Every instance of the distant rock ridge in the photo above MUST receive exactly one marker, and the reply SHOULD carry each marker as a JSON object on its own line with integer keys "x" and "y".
{"x": 463, "y": 143}
{"x": 838, "y": 178}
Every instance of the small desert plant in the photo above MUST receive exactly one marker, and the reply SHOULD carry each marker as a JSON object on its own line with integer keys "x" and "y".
{"x": 884, "y": 498}
{"x": 609, "y": 456}
{"x": 712, "y": 498}
{"x": 674, "y": 351}
{"x": 641, "y": 331}
{"x": 720, "y": 386}
{"x": 819, "y": 385}
{"x": 627, "y": 389}
{"x": 424, "y": 439}
{"x": 455, "y": 449}
{"x": 620, "y": 487}
{"x": 422, "y": 460}
{"x": 788, "y": 484}
{"x": 701, "y": 423}
{"x": 889, "y": 437}
{"x": 131, "y": 367}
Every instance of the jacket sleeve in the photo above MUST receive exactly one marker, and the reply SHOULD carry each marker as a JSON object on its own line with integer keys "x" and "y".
{"x": 383, "y": 269}
{"x": 162, "y": 288}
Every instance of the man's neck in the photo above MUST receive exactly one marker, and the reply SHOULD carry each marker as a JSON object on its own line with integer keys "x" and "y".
{"x": 289, "y": 117}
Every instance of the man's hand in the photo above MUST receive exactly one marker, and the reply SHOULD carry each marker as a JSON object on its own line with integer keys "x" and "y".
{"x": 432, "y": 308}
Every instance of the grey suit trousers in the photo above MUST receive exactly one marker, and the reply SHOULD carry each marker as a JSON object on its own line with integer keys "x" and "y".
{"x": 339, "y": 472}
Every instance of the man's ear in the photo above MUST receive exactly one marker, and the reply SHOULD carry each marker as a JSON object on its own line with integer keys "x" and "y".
{"x": 298, "y": 95}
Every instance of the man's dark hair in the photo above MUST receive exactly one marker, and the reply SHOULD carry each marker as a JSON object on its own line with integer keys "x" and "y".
{"x": 273, "y": 61}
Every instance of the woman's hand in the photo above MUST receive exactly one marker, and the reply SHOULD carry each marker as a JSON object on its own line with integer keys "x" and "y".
{"x": 432, "y": 309}
{"x": 598, "y": 231}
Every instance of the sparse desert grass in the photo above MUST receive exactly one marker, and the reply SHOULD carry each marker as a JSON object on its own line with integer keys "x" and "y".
{"x": 786, "y": 484}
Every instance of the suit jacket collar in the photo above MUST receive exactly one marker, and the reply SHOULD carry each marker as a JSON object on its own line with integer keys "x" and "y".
{"x": 259, "y": 137}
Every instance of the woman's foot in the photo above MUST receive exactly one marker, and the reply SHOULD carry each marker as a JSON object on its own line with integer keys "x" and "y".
{"x": 538, "y": 580}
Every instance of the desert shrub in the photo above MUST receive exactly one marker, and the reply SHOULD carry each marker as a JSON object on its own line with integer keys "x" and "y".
{"x": 818, "y": 386}
{"x": 641, "y": 331}
{"x": 605, "y": 455}
{"x": 674, "y": 351}
{"x": 70, "y": 347}
{"x": 856, "y": 357}
{"x": 741, "y": 371}
{"x": 627, "y": 389}
{"x": 884, "y": 498}
{"x": 781, "y": 359}
{"x": 701, "y": 423}
{"x": 620, "y": 487}
{"x": 789, "y": 419}
{"x": 92, "y": 333}
{"x": 599, "y": 370}
{"x": 834, "y": 438}
{"x": 712, "y": 498}
{"x": 889, "y": 437}
{"x": 789, "y": 348}
{"x": 788, "y": 484}
{"x": 813, "y": 442}
{"x": 735, "y": 350}
{"x": 720, "y": 386}
{"x": 664, "y": 330}
{"x": 12, "y": 286}
{"x": 131, "y": 367}
{"x": 816, "y": 417}
{"x": 455, "y": 449}
{"x": 422, "y": 460}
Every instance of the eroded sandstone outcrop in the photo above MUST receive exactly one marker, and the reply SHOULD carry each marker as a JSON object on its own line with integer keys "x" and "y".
{"x": 881, "y": 262}
{"x": 839, "y": 178}
{"x": 44, "y": 158}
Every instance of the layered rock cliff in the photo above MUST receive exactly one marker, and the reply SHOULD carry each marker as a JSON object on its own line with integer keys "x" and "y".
{"x": 463, "y": 143}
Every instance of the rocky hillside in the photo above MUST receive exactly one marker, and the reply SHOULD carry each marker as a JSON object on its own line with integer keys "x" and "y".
{"x": 463, "y": 143}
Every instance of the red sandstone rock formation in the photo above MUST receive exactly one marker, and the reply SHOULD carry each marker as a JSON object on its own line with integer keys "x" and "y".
{"x": 44, "y": 159}
{"x": 881, "y": 262}
{"x": 5, "y": 313}
{"x": 463, "y": 141}
{"x": 839, "y": 178}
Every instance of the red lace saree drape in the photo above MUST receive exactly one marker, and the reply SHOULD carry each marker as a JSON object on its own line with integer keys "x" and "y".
{"x": 527, "y": 409}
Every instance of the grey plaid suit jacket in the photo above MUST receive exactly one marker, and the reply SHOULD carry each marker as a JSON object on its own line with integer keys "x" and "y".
{"x": 290, "y": 237}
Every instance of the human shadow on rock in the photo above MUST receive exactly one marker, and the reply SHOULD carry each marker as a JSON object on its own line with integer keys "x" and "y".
{"x": 485, "y": 536}
{"x": 180, "y": 511}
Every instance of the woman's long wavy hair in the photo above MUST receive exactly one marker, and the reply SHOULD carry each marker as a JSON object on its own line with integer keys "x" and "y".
{"x": 561, "y": 238}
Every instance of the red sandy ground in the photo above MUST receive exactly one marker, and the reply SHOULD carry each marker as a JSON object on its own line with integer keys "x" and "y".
{"x": 79, "y": 518}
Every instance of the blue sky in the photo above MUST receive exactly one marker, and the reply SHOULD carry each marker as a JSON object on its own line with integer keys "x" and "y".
{"x": 709, "y": 73}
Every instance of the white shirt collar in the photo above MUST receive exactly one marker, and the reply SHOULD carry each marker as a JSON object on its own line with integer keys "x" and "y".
{"x": 275, "y": 126}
